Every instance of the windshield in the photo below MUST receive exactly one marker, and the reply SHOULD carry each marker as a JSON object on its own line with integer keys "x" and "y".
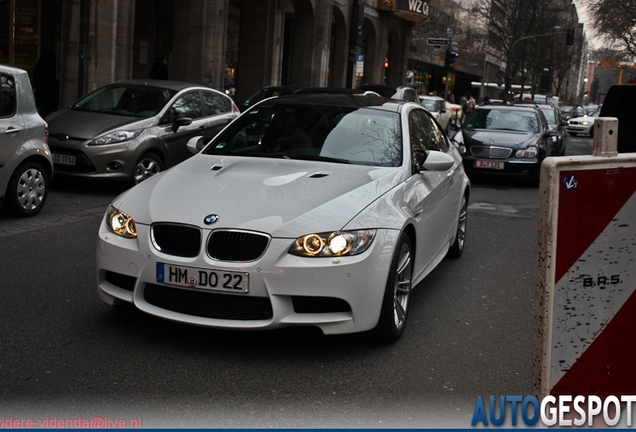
{"x": 549, "y": 115}
{"x": 330, "y": 133}
{"x": 505, "y": 120}
{"x": 126, "y": 100}
{"x": 429, "y": 105}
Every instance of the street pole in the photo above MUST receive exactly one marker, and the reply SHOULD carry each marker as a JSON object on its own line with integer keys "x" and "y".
{"x": 449, "y": 32}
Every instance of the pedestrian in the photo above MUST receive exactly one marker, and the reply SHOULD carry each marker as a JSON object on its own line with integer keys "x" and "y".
{"x": 471, "y": 104}
{"x": 46, "y": 87}
{"x": 159, "y": 69}
{"x": 463, "y": 101}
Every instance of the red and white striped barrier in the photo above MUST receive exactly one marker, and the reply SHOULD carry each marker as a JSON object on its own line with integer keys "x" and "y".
{"x": 586, "y": 301}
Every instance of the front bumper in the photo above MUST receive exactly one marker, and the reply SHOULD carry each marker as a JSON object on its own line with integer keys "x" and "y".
{"x": 338, "y": 295}
{"x": 577, "y": 128}
{"x": 112, "y": 161}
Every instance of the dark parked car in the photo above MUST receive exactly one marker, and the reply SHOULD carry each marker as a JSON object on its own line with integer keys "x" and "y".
{"x": 558, "y": 124}
{"x": 508, "y": 140}
{"x": 132, "y": 130}
{"x": 26, "y": 166}
{"x": 619, "y": 103}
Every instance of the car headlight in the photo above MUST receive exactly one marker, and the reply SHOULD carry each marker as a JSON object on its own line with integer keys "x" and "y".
{"x": 116, "y": 137}
{"x": 120, "y": 223}
{"x": 530, "y": 152}
{"x": 334, "y": 244}
{"x": 585, "y": 123}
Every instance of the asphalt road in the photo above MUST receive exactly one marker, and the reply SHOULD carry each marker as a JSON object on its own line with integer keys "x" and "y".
{"x": 66, "y": 355}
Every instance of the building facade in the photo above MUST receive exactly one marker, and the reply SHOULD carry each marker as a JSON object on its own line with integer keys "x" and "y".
{"x": 246, "y": 44}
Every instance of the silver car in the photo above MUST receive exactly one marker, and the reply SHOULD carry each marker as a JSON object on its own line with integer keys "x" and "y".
{"x": 26, "y": 166}
{"x": 132, "y": 130}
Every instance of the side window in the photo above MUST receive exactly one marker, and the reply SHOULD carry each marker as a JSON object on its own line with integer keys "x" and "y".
{"x": 7, "y": 96}
{"x": 215, "y": 103}
{"x": 188, "y": 105}
{"x": 425, "y": 135}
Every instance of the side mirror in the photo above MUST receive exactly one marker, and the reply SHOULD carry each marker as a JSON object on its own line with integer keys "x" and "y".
{"x": 436, "y": 161}
{"x": 196, "y": 144}
{"x": 180, "y": 121}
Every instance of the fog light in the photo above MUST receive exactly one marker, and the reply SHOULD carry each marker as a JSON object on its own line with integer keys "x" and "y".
{"x": 114, "y": 166}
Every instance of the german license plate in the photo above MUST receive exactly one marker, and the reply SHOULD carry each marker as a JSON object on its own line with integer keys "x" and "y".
{"x": 207, "y": 279}
{"x": 63, "y": 159}
{"x": 489, "y": 164}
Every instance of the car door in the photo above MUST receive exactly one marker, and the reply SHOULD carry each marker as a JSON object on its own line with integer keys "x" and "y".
{"x": 432, "y": 196}
{"x": 219, "y": 112}
{"x": 12, "y": 127}
{"x": 175, "y": 136}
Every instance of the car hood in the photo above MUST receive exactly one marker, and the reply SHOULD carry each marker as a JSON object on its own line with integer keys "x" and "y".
{"x": 499, "y": 138}
{"x": 285, "y": 198}
{"x": 87, "y": 125}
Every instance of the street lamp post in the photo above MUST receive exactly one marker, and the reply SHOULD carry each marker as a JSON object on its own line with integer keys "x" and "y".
{"x": 583, "y": 90}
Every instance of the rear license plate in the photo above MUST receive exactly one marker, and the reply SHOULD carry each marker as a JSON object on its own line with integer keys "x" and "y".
{"x": 63, "y": 159}
{"x": 207, "y": 279}
{"x": 489, "y": 164}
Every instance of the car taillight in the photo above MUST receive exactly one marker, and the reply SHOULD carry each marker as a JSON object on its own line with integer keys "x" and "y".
{"x": 46, "y": 132}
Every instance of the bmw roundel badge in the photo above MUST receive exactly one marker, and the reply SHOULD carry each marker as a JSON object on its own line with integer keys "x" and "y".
{"x": 210, "y": 219}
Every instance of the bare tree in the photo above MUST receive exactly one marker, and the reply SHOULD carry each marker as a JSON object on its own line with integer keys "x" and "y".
{"x": 615, "y": 21}
{"x": 530, "y": 38}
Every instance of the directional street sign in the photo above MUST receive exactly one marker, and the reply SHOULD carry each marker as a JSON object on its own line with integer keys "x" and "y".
{"x": 437, "y": 41}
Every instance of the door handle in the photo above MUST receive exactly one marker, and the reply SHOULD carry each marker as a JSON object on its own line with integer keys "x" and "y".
{"x": 12, "y": 130}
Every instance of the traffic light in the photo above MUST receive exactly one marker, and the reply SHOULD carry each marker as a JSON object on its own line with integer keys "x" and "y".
{"x": 500, "y": 77}
{"x": 569, "y": 37}
{"x": 386, "y": 64}
{"x": 450, "y": 59}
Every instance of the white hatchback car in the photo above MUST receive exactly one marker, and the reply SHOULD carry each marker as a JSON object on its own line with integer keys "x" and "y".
{"x": 26, "y": 166}
{"x": 437, "y": 107}
{"x": 308, "y": 210}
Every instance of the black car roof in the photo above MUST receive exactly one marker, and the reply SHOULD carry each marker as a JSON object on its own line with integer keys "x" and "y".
{"x": 335, "y": 99}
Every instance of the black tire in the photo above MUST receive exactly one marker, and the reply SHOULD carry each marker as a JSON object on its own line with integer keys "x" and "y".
{"x": 27, "y": 190}
{"x": 148, "y": 165}
{"x": 397, "y": 292}
{"x": 457, "y": 248}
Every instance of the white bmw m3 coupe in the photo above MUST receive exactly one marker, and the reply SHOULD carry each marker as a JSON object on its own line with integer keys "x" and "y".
{"x": 307, "y": 210}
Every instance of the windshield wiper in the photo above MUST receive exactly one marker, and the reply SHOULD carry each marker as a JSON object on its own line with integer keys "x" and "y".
{"x": 320, "y": 158}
